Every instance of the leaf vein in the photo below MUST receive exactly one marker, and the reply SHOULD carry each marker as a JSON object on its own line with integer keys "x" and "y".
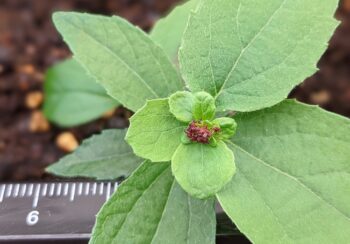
{"x": 137, "y": 75}
{"x": 297, "y": 180}
{"x": 247, "y": 46}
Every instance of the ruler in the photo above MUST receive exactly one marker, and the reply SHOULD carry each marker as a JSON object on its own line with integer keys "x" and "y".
{"x": 49, "y": 211}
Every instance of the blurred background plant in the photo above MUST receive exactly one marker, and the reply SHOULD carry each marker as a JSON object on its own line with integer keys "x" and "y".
{"x": 29, "y": 45}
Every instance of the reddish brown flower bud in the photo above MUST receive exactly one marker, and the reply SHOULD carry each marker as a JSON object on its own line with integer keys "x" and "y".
{"x": 198, "y": 132}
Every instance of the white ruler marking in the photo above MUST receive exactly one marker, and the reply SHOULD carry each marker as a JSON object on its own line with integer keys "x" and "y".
{"x": 9, "y": 190}
{"x": 101, "y": 188}
{"x": 2, "y": 192}
{"x": 66, "y": 188}
{"x": 52, "y": 189}
{"x": 108, "y": 192}
{"x": 115, "y": 186}
{"x": 87, "y": 188}
{"x": 94, "y": 188}
{"x": 59, "y": 189}
{"x": 80, "y": 189}
{"x": 30, "y": 191}
{"x": 16, "y": 191}
{"x": 72, "y": 193}
{"x": 36, "y": 195}
{"x": 44, "y": 191}
{"x": 23, "y": 190}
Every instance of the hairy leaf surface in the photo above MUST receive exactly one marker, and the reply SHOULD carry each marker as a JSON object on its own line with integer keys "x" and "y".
{"x": 150, "y": 207}
{"x": 202, "y": 170}
{"x": 204, "y": 106}
{"x": 154, "y": 132}
{"x": 121, "y": 57}
{"x": 292, "y": 183}
{"x": 72, "y": 97}
{"x": 249, "y": 54}
{"x": 104, "y": 156}
{"x": 181, "y": 105}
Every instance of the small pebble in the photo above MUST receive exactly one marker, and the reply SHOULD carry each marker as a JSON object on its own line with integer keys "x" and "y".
{"x": 38, "y": 122}
{"x": 109, "y": 114}
{"x": 34, "y": 99}
{"x": 26, "y": 69}
{"x": 321, "y": 97}
{"x": 67, "y": 142}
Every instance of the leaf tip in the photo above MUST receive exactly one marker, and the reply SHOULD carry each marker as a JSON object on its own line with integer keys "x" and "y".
{"x": 57, "y": 16}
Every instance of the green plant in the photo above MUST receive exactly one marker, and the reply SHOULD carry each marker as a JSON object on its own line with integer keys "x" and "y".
{"x": 282, "y": 175}
{"x": 72, "y": 97}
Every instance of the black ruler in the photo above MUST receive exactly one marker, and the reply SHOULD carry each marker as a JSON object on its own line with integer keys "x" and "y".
{"x": 51, "y": 210}
{"x": 59, "y": 211}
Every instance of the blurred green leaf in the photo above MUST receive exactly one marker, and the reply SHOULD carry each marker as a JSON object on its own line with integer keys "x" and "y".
{"x": 72, "y": 97}
{"x": 168, "y": 31}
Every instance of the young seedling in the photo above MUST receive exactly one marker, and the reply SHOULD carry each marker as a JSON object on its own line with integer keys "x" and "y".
{"x": 279, "y": 168}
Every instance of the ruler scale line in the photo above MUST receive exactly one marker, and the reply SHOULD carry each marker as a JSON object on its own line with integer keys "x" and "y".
{"x": 72, "y": 193}
{"x": 66, "y": 188}
{"x": 115, "y": 186}
{"x": 16, "y": 191}
{"x": 44, "y": 191}
{"x": 94, "y": 188}
{"x": 23, "y": 190}
{"x": 52, "y": 189}
{"x": 30, "y": 191}
{"x": 101, "y": 188}
{"x": 3, "y": 188}
{"x": 108, "y": 191}
{"x": 36, "y": 196}
{"x": 87, "y": 189}
{"x": 59, "y": 189}
{"x": 80, "y": 189}
{"x": 9, "y": 190}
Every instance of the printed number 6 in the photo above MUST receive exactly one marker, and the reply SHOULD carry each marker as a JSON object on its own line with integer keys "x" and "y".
{"x": 32, "y": 218}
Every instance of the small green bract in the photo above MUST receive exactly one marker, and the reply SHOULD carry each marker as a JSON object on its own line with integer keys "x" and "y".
{"x": 219, "y": 127}
{"x": 194, "y": 143}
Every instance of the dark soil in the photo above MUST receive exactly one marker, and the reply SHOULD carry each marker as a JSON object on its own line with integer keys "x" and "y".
{"x": 29, "y": 44}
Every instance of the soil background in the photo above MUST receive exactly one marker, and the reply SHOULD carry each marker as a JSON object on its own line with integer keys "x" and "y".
{"x": 29, "y": 44}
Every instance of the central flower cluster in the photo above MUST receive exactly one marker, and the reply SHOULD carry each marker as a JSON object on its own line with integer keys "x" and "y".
{"x": 199, "y": 132}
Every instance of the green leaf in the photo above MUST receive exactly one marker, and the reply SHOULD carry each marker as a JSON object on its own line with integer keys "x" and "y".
{"x": 202, "y": 170}
{"x": 155, "y": 133}
{"x": 250, "y": 54}
{"x": 168, "y": 31}
{"x": 292, "y": 183}
{"x": 150, "y": 207}
{"x": 119, "y": 56}
{"x": 181, "y": 105}
{"x": 204, "y": 106}
{"x": 72, "y": 97}
{"x": 227, "y": 126}
{"x": 104, "y": 156}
